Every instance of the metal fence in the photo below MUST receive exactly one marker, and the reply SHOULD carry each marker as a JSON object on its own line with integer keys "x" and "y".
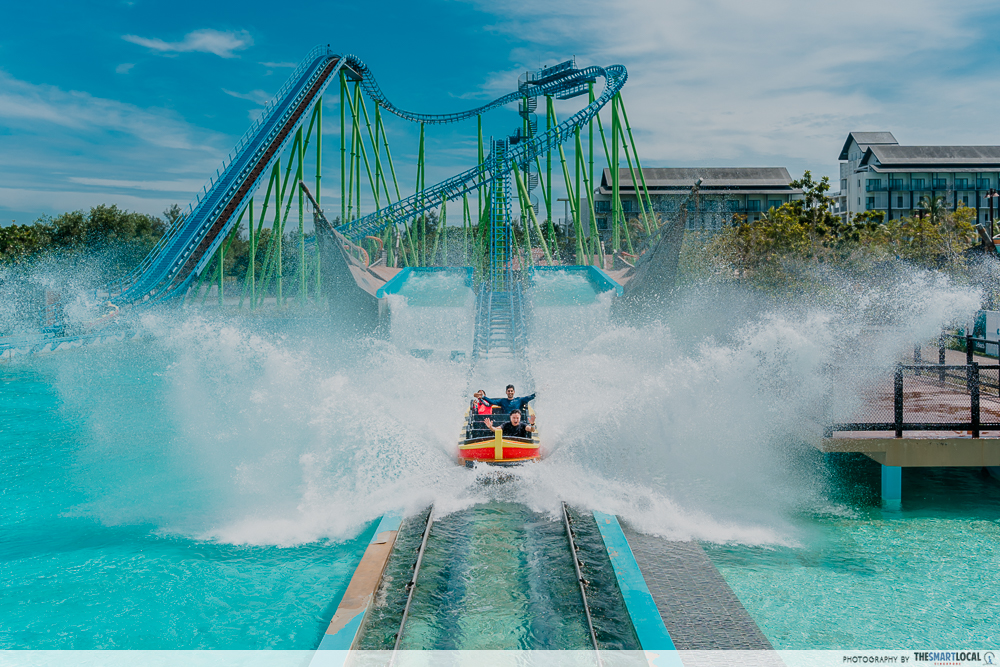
{"x": 930, "y": 397}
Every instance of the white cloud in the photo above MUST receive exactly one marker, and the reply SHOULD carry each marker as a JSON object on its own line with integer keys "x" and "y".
{"x": 222, "y": 44}
{"x": 775, "y": 83}
{"x": 124, "y": 68}
{"x": 29, "y": 106}
{"x": 65, "y": 150}
{"x": 59, "y": 201}
{"x": 280, "y": 65}
{"x": 256, "y": 96}
{"x": 181, "y": 185}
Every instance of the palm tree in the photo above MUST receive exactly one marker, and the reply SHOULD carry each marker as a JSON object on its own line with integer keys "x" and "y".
{"x": 934, "y": 207}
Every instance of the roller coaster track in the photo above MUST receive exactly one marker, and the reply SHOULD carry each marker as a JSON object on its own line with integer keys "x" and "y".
{"x": 189, "y": 244}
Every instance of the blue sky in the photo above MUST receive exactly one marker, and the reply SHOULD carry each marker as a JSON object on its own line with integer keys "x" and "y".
{"x": 136, "y": 103}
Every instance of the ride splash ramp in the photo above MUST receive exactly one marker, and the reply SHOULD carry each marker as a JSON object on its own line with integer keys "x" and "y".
{"x": 186, "y": 249}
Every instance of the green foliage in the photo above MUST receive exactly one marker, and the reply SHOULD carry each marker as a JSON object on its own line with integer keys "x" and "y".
{"x": 18, "y": 242}
{"x": 776, "y": 248}
{"x": 124, "y": 235}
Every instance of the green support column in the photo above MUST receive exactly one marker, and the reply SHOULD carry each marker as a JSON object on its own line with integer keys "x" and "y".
{"x": 222, "y": 269}
{"x": 343, "y": 153}
{"x": 573, "y": 206}
{"x": 590, "y": 204}
{"x": 422, "y": 220}
{"x": 616, "y": 203}
{"x": 638, "y": 165}
{"x": 319, "y": 176}
{"x": 548, "y": 175}
{"x": 299, "y": 174}
{"x": 590, "y": 87}
{"x": 277, "y": 230}
{"x": 357, "y": 132}
{"x": 466, "y": 223}
{"x": 482, "y": 158}
{"x": 534, "y": 219}
{"x": 252, "y": 257}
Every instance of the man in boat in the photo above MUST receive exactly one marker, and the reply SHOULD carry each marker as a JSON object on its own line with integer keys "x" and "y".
{"x": 514, "y": 428}
{"x": 511, "y": 404}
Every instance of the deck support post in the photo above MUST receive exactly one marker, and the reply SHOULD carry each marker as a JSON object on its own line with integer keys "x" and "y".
{"x": 898, "y": 400}
{"x": 892, "y": 483}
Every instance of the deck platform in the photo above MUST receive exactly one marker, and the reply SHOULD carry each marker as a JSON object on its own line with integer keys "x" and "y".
{"x": 697, "y": 606}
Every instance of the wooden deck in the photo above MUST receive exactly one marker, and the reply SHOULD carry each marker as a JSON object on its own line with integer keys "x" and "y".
{"x": 925, "y": 400}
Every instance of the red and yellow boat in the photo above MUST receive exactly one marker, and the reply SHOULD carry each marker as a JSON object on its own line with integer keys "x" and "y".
{"x": 495, "y": 448}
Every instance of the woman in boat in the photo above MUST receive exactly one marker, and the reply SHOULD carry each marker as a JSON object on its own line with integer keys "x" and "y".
{"x": 480, "y": 406}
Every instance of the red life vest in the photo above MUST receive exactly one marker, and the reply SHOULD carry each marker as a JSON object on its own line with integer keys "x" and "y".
{"x": 483, "y": 408}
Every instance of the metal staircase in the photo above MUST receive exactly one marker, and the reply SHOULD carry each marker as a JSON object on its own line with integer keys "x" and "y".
{"x": 499, "y": 314}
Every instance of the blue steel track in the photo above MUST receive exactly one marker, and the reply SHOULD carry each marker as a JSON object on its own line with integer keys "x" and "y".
{"x": 189, "y": 244}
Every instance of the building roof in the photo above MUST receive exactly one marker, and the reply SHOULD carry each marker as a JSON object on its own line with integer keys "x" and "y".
{"x": 866, "y": 139}
{"x": 932, "y": 158}
{"x": 751, "y": 180}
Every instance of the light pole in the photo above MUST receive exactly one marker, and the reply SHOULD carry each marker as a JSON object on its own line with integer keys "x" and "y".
{"x": 992, "y": 194}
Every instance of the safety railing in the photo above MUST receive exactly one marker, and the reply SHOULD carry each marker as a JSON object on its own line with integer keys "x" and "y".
{"x": 481, "y": 339}
{"x": 926, "y": 397}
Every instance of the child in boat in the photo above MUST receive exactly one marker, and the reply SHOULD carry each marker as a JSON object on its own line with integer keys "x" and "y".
{"x": 515, "y": 428}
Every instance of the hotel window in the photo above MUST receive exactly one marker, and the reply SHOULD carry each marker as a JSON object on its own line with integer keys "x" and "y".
{"x": 602, "y": 223}
{"x": 627, "y": 205}
{"x": 602, "y": 206}
{"x": 961, "y": 184}
{"x": 870, "y": 203}
{"x": 982, "y": 184}
{"x": 899, "y": 201}
{"x": 965, "y": 199}
{"x": 895, "y": 184}
{"x": 874, "y": 184}
{"x": 774, "y": 203}
{"x": 753, "y": 205}
{"x": 940, "y": 184}
{"x": 917, "y": 183}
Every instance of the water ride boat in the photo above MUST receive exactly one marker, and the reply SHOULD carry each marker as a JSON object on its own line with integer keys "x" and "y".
{"x": 477, "y": 444}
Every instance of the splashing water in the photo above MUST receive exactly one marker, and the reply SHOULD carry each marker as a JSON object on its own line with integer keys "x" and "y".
{"x": 233, "y": 432}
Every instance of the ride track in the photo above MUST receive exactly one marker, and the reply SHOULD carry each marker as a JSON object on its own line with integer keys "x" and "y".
{"x": 184, "y": 251}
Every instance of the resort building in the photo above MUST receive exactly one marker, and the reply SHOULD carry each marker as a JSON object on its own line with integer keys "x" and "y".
{"x": 877, "y": 174}
{"x": 709, "y": 196}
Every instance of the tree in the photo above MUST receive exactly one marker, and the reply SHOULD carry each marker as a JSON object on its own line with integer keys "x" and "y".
{"x": 18, "y": 242}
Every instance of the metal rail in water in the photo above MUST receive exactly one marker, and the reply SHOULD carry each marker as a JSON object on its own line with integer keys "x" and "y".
{"x": 581, "y": 581}
{"x": 554, "y": 596}
{"x": 412, "y": 584}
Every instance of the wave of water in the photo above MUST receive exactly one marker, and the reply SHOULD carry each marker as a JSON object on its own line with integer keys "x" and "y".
{"x": 695, "y": 426}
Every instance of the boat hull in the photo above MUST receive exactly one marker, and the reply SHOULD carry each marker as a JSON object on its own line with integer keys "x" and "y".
{"x": 498, "y": 450}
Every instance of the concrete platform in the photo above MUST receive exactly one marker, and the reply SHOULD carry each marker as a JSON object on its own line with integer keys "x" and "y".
{"x": 920, "y": 450}
{"x": 697, "y": 606}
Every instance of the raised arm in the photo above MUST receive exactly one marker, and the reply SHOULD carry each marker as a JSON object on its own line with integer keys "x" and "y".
{"x": 490, "y": 426}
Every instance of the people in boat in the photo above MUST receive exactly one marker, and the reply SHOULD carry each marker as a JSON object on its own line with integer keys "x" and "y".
{"x": 480, "y": 404}
{"x": 515, "y": 428}
{"x": 511, "y": 404}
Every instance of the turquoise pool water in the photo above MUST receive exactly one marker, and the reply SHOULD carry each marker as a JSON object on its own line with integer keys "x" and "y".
{"x": 213, "y": 484}
{"x": 870, "y": 578}
{"x": 74, "y": 581}
{"x": 562, "y": 288}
